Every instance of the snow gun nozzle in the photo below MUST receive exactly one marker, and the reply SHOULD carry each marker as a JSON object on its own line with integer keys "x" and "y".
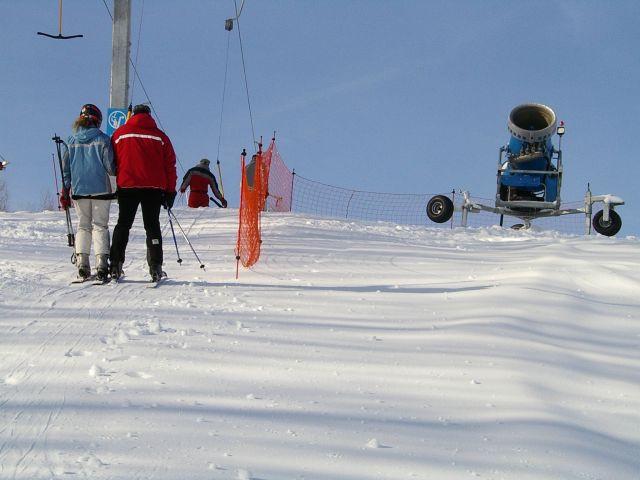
{"x": 531, "y": 126}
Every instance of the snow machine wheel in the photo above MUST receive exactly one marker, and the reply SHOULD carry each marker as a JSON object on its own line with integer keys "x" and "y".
{"x": 518, "y": 226}
{"x": 440, "y": 209}
{"x": 610, "y": 228}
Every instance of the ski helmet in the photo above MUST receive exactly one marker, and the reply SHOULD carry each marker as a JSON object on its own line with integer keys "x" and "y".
{"x": 92, "y": 112}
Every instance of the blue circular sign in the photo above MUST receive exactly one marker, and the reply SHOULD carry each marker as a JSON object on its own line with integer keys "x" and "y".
{"x": 117, "y": 118}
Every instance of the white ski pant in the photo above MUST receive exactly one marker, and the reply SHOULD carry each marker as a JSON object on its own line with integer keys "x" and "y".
{"x": 93, "y": 224}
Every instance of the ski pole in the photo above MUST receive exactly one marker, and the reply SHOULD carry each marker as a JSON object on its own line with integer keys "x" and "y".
{"x": 216, "y": 202}
{"x": 220, "y": 177}
{"x": 175, "y": 242}
{"x": 55, "y": 176}
{"x": 171, "y": 214}
{"x": 71, "y": 238}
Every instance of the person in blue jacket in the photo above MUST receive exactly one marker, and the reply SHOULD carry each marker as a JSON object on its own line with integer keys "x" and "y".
{"x": 87, "y": 164}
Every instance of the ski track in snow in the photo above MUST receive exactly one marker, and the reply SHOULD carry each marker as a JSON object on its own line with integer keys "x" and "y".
{"x": 352, "y": 350}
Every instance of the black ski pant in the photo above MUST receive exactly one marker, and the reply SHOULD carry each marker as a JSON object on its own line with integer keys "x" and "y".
{"x": 128, "y": 200}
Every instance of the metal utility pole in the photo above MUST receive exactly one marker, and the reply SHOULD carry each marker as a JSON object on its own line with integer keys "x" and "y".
{"x": 119, "y": 92}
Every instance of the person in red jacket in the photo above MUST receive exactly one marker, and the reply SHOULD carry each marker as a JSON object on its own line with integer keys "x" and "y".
{"x": 199, "y": 179}
{"x": 146, "y": 176}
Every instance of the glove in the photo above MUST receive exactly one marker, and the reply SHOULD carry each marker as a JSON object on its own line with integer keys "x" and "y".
{"x": 182, "y": 190}
{"x": 169, "y": 198}
{"x": 65, "y": 199}
{"x": 224, "y": 203}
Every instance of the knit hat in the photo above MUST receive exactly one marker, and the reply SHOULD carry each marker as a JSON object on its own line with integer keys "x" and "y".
{"x": 142, "y": 108}
{"x": 205, "y": 162}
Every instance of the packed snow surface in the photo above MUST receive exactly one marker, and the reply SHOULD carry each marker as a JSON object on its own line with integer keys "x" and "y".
{"x": 352, "y": 350}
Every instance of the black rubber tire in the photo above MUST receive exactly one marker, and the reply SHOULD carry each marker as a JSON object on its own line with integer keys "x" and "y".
{"x": 610, "y": 228}
{"x": 440, "y": 209}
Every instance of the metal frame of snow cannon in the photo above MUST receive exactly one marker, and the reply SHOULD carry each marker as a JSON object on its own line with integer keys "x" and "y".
{"x": 529, "y": 179}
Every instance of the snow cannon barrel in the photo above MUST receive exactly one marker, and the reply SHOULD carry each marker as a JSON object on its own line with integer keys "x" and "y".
{"x": 531, "y": 126}
{"x": 527, "y": 175}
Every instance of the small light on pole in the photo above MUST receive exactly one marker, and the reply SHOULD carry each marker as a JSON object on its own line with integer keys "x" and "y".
{"x": 560, "y": 129}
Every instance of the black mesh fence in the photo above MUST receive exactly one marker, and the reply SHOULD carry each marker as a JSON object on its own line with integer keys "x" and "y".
{"x": 323, "y": 200}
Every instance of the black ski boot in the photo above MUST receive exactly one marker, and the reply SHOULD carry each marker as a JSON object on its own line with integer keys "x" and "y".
{"x": 156, "y": 273}
{"x": 116, "y": 270}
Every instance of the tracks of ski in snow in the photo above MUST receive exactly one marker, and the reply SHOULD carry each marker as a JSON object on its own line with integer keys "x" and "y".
{"x": 352, "y": 350}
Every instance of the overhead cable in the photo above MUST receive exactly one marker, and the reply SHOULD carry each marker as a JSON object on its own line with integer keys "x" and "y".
{"x": 244, "y": 70}
{"x": 137, "y": 75}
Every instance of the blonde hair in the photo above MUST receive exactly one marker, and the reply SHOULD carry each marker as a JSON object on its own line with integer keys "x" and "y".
{"x": 82, "y": 121}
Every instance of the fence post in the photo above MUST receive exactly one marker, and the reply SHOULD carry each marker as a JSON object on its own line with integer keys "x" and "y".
{"x": 588, "y": 210}
{"x": 349, "y": 203}
{"x": 453, "y": 200}
{"x": 243, "y": 181}
{"x": 293, "y": 178}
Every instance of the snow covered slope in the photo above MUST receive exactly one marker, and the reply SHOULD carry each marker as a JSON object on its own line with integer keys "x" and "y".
{"x": 351, "y": 351}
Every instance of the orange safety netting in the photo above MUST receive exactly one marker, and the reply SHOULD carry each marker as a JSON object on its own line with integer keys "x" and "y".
{"x": 266, "y": 185}
{"x": 280, "y": 182}
{"x": 251, "y": 200}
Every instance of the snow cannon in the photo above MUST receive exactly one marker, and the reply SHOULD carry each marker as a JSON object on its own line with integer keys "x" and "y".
{"x": 529, "y": 178}
{"x": 529, "y": 174}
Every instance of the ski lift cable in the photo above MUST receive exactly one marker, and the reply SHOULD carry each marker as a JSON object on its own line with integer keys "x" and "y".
{"x": 238, "y": 13}
{"x": 224, "y": 91}
{"x": 135, "y": 71}
{"x": 133, "y": 86}
{"x": 146, "y": 94}
{"x": 244, "y": 70}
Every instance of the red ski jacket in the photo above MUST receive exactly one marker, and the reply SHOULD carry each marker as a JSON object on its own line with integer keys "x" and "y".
{"x": 144, "y": 155}
{"x": 198, "y": 195}
{"x": 199, "y": 179}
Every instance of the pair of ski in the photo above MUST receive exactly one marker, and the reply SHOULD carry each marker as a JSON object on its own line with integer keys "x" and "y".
{"x": 150, "y": 284}
{"x": 91, "y": 279}
{"x": 94, "y": 281}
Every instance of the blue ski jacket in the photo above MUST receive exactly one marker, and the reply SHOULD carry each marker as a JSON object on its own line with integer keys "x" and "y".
{"x": 87, "y": 162}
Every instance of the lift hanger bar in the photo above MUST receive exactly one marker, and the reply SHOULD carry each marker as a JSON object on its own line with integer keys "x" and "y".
{"x": 59, "y": 36}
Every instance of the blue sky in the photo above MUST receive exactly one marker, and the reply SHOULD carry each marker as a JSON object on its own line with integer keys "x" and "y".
{"x": 392, "y": 96}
